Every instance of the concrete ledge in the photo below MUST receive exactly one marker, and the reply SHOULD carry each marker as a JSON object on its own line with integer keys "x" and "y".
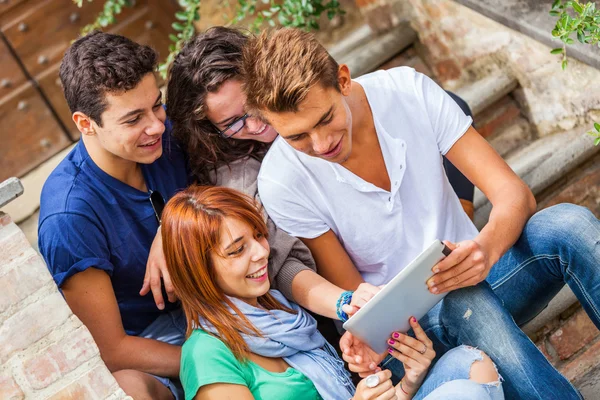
{"x": 494, "y": 86}
{"x": 541, "y": 164}
{"x": 10, "y": 189}
{"x": 531, "y": 18}
{"x": 365, "y": 52}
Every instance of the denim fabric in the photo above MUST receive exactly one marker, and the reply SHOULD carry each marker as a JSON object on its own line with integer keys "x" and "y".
{"x": 169, "y": 328}
{"x": 475, "y": 316}
{"x": 559, "y": 245}
{"x": 449, "y": 379}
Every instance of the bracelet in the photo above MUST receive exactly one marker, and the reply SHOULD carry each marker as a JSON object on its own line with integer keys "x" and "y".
{"x": 345, "y": 298}
{"x": 401, "y": 388}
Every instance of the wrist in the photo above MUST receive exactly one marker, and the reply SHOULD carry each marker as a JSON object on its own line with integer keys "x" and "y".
{"x": 345, "y": 298}
{"x": 408, "y": 389}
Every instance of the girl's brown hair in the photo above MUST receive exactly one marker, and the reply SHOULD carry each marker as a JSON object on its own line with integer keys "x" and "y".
{"x": 202, "y": 66}
{"x": 191, "y": 230}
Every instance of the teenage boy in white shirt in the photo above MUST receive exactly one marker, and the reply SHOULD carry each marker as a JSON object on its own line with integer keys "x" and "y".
{"x": 357, "y": 174}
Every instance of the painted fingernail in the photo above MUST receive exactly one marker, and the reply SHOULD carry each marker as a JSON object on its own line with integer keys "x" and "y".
{"x": 434, "y": 290}
{"x": 391, "y": 351}
{"x": 413, "y": 319}
{"x": 396, "y": 335}
{"x": 391, "y": 341}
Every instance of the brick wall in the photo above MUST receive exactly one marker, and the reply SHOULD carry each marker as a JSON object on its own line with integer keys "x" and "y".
{"x": 45, "y": 351}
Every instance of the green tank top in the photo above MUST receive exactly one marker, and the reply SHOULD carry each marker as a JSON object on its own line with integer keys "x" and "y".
{"x": 206, "y": 360}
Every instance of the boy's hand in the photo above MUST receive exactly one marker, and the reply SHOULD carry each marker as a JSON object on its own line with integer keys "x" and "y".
{"x": 467, "y": 265}
{"x": 155, "y": 269}
{"x": 360, "y": 358}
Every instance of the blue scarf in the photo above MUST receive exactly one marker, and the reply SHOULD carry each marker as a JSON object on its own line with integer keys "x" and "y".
{"x": 295, "y": 338}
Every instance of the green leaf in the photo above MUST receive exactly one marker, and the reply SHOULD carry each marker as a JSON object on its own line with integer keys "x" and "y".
{"x": 181, "y": 15}
{"x": 597, "y": 141}
{"x": 577, "y": 7}
{"x": 177, "y": 26}
{"x": 569, "y": 41}
{"x": 565, "y": 63}
{"x": 597, "y": 126}
{"x": 173, "y": 38}
{"x": 558, "y": 50}
{"x": 554, "y": 13}
{"x": 581, "y": 36}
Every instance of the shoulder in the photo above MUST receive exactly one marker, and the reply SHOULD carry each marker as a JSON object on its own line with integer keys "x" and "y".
{"x": 283, "y": 164}
{"x": 205, "y": 360}
{"x": 68, "y": 186}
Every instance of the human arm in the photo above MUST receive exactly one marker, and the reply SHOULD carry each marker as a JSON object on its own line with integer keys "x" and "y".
{"x": 512, "y": 205}
{"x": 333, "y": 262}
{"x": 156, "y": 268}
{"x": 91, "y": 297}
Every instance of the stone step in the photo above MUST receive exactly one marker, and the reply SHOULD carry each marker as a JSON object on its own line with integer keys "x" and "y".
{"x": 482, "y": 93}
{"x": 542, "y": 163}
{"x": 364, "y": 51}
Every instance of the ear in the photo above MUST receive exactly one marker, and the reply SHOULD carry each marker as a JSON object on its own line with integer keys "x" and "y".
{"x": 84, "y": 123}
{"x": 344, "y": 79}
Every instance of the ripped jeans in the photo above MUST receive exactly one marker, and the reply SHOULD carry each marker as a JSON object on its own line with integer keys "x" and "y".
{"x": 475, "y": 316}
{"x": 449, "y": 379}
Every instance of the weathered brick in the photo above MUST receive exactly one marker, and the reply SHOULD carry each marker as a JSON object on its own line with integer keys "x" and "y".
{"x": 12, "y": 242}
{"x": 23, "y": 280}
{"x": 583, "y": 363}
{"x": 577, "y": 332}
{"x": 497, "y": 116}
{"x": 4, "y": 219}
{"x": 50, "y": 364}
{"x": 9, "y": 389}
{"x": 544, "y": 349}
{"x": 582, "y": 188}
{"x": 31, "y": 324}
{"x": 95, "y": 384}
{"x": 447, "y": 70}
{"x": 41, "y": 371}
{"x": 75, "y": 391}
{"x": 74, "y": 350}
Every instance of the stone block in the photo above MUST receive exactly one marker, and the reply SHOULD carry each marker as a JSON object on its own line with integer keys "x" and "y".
{"x": 9, "y": 389}
{"x": 497, "y": 116}
{"x": 23, "y": 280}
{"x": 10, "y": 189}
{"x": 408, "y": 58}
{"x": 573, "y": 335}
{"x": 96, "y": 384}
{"x": 581, "y": 187}
{"x": 32, "y": 323}
{"x": 513, "y": 137}
{"x": 60, "y": 358}
{"x": 13, "y": 243}
{"x": 484, "y": 92}
{"x": 583, "y": 363}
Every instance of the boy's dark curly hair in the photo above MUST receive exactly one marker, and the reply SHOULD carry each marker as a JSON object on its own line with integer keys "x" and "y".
{"x": 101, "y": 63}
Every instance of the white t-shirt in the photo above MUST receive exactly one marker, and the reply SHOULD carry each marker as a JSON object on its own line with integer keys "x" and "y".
{"x": 416, "y": 123}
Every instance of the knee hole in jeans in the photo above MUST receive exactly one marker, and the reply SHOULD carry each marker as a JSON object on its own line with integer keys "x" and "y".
{"x": 484, "y": 371}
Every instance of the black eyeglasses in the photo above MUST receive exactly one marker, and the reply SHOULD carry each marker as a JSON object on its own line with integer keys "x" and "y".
{"x": 158, "y": 204}
{"x": 234, "y": 127}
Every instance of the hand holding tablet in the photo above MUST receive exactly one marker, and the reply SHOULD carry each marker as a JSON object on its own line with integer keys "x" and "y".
{"x": 404, "y": 296}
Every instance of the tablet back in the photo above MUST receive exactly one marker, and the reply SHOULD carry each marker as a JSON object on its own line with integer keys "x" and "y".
{"x": 404, "y": 296}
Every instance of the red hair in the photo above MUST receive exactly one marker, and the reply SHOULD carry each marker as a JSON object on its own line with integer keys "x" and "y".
{"x": 191, "y": 231}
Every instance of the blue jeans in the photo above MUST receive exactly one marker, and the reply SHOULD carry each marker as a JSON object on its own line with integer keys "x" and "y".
{"x": 475, "y": 316}
{"x": 169, "y": 328}
{"x": 559, "y": 245}
{"x": 449, "y": 379}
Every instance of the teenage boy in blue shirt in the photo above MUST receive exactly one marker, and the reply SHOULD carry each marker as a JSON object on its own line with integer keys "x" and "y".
{"x": 100, "y": 211}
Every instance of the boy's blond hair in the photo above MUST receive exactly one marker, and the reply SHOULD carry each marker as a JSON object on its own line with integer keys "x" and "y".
{"x": 280, "y": 67}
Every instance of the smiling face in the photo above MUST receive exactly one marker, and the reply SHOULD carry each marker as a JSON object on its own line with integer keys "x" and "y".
{"x": 241, "y": 261}
{"x": 226, "y": 106}
{"x": 132, "y": 126}
{"x": 322, "y": 125}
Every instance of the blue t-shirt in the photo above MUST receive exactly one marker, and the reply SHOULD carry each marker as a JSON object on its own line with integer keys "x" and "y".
{"x": 90, "y": 219}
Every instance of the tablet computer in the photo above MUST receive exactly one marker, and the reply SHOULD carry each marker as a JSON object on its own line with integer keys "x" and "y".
{"x": 404, "y": 296}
